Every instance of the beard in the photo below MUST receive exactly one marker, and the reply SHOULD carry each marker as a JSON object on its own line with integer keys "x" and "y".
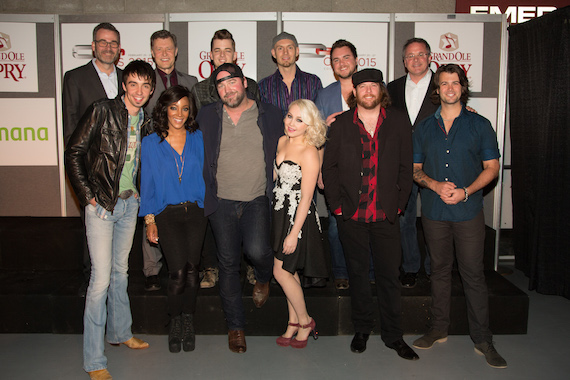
{"x": 236, "y": 101}
{"x": 347, "y": 76}
{"x": 105, "y": 58}
{"x": 286, "y": 64}
{"x": 450, "y": 100}
{"x": 369, "y": 103}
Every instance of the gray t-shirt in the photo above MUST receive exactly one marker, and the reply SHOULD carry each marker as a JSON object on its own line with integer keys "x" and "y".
{"x": 241, "y": 164}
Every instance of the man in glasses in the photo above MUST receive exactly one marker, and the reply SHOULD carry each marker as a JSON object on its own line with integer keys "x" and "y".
{"x": 411, "y": 94}
{"x": 98, "y": 79}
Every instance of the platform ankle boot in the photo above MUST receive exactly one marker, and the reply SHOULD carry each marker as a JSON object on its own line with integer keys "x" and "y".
{"x": 188, "y": 336}
{"x": 175, "y": 334}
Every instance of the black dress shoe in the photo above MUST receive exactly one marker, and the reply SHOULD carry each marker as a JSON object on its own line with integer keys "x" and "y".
{"x": 403, "y": 350}
{"x": 152, "y": 283}
{"x": 409, "y": 280}
{"x": 358, "y": 343}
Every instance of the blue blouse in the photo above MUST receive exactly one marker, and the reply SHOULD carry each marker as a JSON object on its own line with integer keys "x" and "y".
{"x": 160, "y": 186}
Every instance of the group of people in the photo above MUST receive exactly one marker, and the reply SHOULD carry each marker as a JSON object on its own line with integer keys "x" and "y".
{"x": 243, "y": 160}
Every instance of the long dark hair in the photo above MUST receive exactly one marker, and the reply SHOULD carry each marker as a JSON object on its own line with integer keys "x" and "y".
{"x": 160, "y": 112}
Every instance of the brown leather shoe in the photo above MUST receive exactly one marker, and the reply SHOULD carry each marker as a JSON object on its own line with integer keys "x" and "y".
{"x": 260, "y": 294}
{"x": 136, "y": 344}
{"x": 236, "y": 341}
{"x": 101, "y": 374}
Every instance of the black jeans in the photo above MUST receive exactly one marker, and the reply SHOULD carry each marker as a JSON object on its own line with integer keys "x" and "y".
{"x": 469, "y": 239}
{"x": 181, "y": 230}
{"x": 383, "y": 240}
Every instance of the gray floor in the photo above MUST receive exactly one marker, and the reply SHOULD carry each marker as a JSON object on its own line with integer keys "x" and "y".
{"x": 541, "y": 354}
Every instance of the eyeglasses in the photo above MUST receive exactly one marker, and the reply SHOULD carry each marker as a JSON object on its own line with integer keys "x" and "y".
{"x": 419, "y": 56}
{"x": 103, "y": 44}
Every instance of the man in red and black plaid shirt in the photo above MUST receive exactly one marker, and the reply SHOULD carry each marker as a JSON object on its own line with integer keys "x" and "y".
{"x": 367, "y": 172}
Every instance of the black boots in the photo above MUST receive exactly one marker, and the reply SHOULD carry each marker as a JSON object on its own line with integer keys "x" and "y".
{"x": 188, "y": 335}
{"x": 182, "y": 333}
{"x": 175, "y": 334}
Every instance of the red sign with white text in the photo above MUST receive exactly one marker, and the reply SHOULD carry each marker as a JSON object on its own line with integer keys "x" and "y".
{"x": 517, "y": 11}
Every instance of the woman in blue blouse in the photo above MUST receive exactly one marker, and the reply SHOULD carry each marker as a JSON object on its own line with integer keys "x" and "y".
{"x": 172, "y": 202}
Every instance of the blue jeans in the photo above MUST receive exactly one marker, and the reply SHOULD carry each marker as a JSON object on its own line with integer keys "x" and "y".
{"x": 234, "y": 223}
{"x": 411, "y": 256}
{"x": 109, "y": 237}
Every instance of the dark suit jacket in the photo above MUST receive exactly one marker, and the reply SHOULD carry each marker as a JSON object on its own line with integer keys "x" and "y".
{"x": 342, "y": 166}
{"x": 397, "y": 91}
{"x": 81, "y": 87}
{"x": 185, "y": 80}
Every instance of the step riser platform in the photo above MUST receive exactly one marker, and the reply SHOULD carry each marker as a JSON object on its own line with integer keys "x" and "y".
{"x": 40, "y": 273}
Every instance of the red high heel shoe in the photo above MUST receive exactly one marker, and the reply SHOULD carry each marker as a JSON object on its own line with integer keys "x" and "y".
{"x": 284, "y": 342}
{"x": 303, "y": 343}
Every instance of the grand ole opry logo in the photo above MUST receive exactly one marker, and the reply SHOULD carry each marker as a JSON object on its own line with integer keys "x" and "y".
{"x": 11, "y": 62}
{"x": 450, "y": 53}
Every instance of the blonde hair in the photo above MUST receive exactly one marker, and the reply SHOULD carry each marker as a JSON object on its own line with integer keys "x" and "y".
{"x": 316, "y": 132}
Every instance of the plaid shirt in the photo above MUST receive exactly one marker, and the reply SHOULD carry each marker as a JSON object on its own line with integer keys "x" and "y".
{"x": 274, "y": 91}
{"x": 368, "y": 211}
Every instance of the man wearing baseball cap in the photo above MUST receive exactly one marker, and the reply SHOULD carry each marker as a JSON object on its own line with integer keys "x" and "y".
{"x": 240, "y": 143}
{"x": 367, "y": 172}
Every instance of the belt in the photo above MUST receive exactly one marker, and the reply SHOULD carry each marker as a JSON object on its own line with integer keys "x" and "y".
{"x": 126, "y": 194}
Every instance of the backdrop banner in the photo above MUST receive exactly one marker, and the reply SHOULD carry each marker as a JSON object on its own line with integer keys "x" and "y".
{"x": 456, "y": 42}
{"x": 316, "y": 38}
{"x": 517, "y": 11}
{"x": 200, "y": 35}
{"x": 28, "y": 138}
{"x": 18, "y": 57}
{"x": 135, "y": 43}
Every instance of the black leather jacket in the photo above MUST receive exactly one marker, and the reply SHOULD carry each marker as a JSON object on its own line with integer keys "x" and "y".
{"x": 95, "y": 153}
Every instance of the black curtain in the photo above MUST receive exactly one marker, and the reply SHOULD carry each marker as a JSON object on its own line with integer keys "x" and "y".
{"x": 539, "y": 90}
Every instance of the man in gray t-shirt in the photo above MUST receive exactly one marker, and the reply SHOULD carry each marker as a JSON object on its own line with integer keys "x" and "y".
{"x": 240, "y": 143}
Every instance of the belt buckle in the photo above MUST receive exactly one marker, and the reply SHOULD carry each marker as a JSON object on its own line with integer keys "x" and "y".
{"x": 126, "y": 194}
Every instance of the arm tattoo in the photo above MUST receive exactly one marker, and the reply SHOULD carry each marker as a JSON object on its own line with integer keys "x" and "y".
{"x": 420, "y": 177}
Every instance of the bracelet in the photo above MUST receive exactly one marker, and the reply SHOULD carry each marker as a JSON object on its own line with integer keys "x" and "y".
{"x": 466, "y": 195}
{"x": 149, "y": 219}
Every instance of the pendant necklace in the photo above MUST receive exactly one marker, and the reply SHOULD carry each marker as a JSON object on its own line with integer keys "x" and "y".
{"x": 182, "y": 161}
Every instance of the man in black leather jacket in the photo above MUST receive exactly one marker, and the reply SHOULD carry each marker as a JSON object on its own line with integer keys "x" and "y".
{"x": 102, "y": 161}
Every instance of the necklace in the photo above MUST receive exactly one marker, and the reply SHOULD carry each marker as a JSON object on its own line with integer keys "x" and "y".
{"x": 182, "y": 161}
{"x": 369, "y": 125}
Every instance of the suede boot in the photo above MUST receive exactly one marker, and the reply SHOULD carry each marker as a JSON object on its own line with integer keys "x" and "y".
{"x": 188, "y": 335}
{"x": 175, "y": 334}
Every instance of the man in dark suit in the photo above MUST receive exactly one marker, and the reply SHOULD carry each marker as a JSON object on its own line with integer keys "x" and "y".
{"x": 331, "y": 102}
{"x": 411, "y": 94}
{"x": 367, "y": 172}
{"x": 96, "y": 80}
{"x": 164, "y": 49}
{"x": 83, "y": 85}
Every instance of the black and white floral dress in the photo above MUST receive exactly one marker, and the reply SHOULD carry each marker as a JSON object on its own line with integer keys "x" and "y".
{"x": 309, "y": 256}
